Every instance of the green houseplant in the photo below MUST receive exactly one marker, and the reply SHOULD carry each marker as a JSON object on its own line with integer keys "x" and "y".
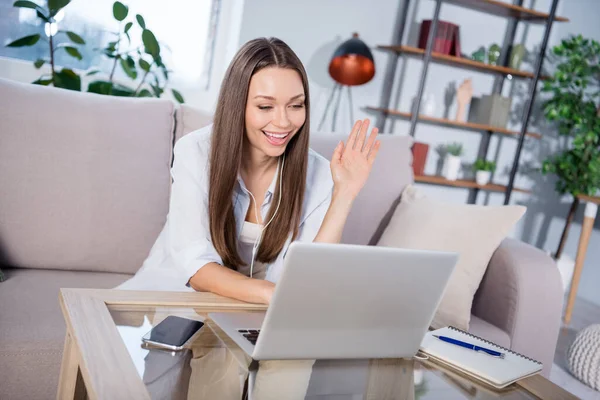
{"x": 483, "y": 171}
{"x": 64, "y": 78}
{"x": 452, "y": 161}
{"x": 573, "y": 107}
{"x": 154, "y": 73}
{"x": 575, "y": 90}
{"x": 144, "y": 62}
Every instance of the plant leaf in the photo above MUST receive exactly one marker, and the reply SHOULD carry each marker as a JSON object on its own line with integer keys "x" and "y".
{"x": 120, "y": 11}
{"x": 122, "y": 90}
{"x": 92, "y": 72}
{"x": 140, "y": 21}
{"x": 43, "y": 82}
{"x": 67, "y": 79}
{"x": 145, "y": 65}
{"x": 42, "y": 16}
{"x": 25, "y": 41}
{"x": 27, "y": 4}
{"x": 177, "y": 96}
{"x": 75, "y": 38}
{"x": 56, "y": 5}
{"x": 38, "y": 63}
{"x": 131, "y": 72}
{"x": 128, "y": 27}
{"x": 144, "y": 93}
{"x": 100, "y": 87}
{"x": 150, "y": 43}
{"x": 73, "y": 52}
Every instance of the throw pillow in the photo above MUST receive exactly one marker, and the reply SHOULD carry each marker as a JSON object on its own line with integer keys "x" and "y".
{"x": 473, "y": 231}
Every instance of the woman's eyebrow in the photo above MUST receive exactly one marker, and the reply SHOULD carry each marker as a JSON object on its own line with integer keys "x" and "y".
{"x": 273, "y": 98}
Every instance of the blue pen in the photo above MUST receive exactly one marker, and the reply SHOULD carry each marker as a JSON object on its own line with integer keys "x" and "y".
{"x": 470, "y": 346}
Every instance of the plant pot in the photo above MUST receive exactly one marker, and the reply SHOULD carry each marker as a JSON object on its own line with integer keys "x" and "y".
{"x": 483, "y": 177}
{"x": 419, "y": 152}
{"x": 451, "y": 167}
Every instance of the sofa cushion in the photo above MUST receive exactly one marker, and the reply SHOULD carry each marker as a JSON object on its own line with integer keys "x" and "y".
{"x": 32, "y": 328}
{"x": 84, "y": 178}
{"x": 473, "y": 231}
{"x": 375, "y": 204}
{"x": 188, "y": 119}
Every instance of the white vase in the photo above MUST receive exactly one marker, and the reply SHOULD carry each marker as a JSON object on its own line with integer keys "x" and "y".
{"x": 451, "y": 167}
{"x": 428, "y": 105}
{"x": 483, "y": 177}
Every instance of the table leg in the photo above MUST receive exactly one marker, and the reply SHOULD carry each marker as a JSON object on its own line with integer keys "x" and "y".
{"x": 70, "y": 383}
{"x": 584, "y": 239}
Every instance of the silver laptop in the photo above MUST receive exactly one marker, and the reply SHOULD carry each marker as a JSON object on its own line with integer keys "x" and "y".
{"x": 336, "y": 301}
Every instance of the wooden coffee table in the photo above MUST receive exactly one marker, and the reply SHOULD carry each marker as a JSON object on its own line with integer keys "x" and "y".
{"x": 104, "y": 359}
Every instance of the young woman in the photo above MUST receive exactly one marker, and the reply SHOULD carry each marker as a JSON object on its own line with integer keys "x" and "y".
{"x": 247, "y": 186}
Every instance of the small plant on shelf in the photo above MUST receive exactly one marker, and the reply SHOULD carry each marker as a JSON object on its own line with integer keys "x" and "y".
{"x": 455, "y": 149}
{"x": 484, "y": 165}
{"x": 452, "y": 160}
{"x": 483, "y": 171}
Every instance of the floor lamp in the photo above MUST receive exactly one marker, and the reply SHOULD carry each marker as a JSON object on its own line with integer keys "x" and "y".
{"x": 351, "y": 65}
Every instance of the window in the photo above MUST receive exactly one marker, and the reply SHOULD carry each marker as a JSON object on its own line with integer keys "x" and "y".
{"x": 185, "y": 29}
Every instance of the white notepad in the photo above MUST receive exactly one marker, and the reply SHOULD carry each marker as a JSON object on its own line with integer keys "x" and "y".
{"x": 494, "y": 371}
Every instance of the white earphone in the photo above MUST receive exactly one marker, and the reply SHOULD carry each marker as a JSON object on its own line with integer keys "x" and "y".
{"x": 256, "y": 244}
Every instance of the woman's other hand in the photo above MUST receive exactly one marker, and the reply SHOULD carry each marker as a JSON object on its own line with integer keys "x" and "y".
{"x": 351, "y": 163}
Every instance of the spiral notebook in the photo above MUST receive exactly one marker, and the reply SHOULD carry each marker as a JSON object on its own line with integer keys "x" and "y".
{"x": 497, "y": 372}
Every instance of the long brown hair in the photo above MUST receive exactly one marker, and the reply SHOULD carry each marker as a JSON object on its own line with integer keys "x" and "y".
{"x": 226, "y": 155}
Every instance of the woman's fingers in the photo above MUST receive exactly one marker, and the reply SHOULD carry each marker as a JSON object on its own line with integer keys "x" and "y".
{"x": 353, "y": 134}
{"x": 372, "y": 138}
{"x": 337, "y": 153}
{"x": 373, "y": 152}
{"x": 360, "y": 140}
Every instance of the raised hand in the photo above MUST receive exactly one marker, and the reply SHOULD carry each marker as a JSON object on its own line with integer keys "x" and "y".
{"x": 351, "y": 163}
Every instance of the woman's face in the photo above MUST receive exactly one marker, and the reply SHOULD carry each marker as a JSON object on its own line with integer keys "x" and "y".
{"x": 274, "y": 109}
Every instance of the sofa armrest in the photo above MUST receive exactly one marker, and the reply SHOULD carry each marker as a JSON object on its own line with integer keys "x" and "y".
{"x": 521, "y": 293}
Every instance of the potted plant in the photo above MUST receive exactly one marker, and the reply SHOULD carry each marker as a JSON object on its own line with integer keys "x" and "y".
{"x": 574, "y": 108}
{"x": 143, "y": 65}
{"x": 452, "y": 161}
{"x": 483, "y": 171}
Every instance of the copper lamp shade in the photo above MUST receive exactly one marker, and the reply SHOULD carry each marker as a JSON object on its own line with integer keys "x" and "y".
{"x": 352, "y": 63}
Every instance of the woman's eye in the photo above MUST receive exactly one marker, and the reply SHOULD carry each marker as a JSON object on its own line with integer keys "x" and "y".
{"x": 264, "y": 107}
{"x": 298, "y": 106}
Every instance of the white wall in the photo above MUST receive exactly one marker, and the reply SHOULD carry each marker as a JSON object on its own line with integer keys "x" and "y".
{"x": 314, "y": 28}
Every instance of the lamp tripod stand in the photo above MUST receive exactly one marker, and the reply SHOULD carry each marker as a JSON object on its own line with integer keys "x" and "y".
{"x": 337, "y": 89}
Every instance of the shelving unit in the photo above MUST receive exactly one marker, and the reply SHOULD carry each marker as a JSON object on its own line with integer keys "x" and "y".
{"x": 515, "y": 12}
{"x": 438, "y": 180}
{"x": 454, "y": 124}
{"x": 458, "y": 61}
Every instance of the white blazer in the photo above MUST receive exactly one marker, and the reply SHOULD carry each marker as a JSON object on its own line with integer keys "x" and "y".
{"x": 184, "y": 245}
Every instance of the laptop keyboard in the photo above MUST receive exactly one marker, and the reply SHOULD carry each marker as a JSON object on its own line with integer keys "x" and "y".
{"x": 250, "y": 334}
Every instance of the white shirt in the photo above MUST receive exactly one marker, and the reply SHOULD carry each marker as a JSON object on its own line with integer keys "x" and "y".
{"x": 184, "y": 245}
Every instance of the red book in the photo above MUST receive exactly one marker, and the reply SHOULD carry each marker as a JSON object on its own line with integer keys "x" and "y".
{"x": 444, "y": 39}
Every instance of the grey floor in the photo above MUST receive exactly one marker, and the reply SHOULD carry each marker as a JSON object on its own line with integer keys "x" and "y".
{"x": 585, "y": 313}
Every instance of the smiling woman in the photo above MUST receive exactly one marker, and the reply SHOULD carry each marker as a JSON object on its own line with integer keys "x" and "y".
{"x": 247, "y": 186}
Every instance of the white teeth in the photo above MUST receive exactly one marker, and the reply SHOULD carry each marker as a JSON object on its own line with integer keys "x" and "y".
{"x": 276, "y": 135}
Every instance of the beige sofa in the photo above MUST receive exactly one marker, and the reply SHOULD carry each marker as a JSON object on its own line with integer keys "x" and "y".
{"x": 84, "y": 189}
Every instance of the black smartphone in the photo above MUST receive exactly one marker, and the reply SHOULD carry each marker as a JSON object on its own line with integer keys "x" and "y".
{"x": 172, "y": 333}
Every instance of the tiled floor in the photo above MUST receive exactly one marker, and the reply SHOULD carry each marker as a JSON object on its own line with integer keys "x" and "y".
{"x": 585, "y": 313}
